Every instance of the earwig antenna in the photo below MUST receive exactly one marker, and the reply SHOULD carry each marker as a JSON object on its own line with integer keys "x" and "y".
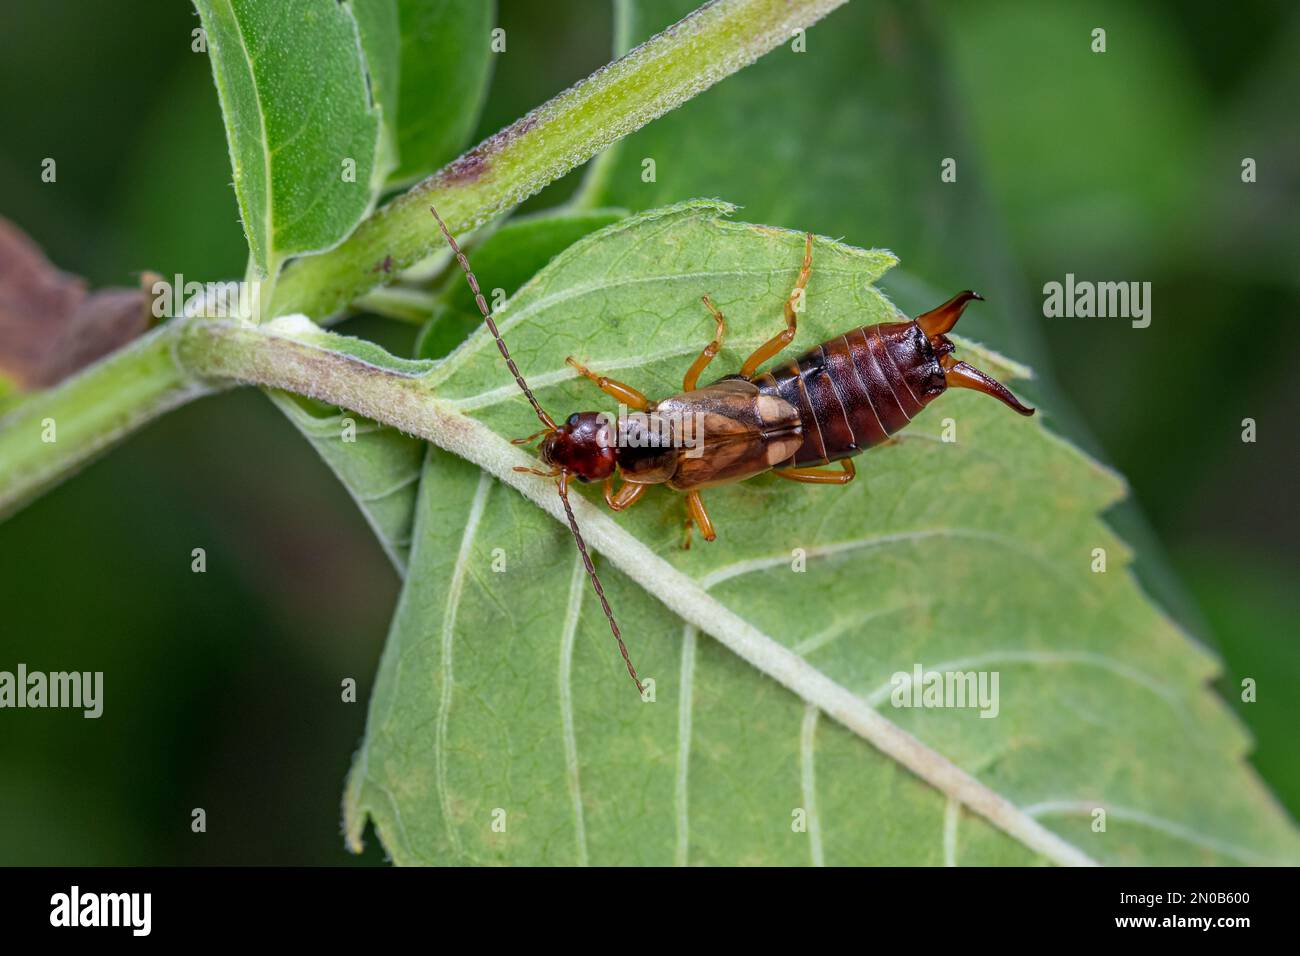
{"x": 562, "y": 486}
{"x": 492, "y": 326}
{"x": 562, "y": 483}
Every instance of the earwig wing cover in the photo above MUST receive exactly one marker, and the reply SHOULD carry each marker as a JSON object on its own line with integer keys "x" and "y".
{"x": 740, "y": 433}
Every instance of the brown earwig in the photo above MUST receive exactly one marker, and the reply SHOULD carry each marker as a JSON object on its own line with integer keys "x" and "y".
{"x": 834, "y": 401}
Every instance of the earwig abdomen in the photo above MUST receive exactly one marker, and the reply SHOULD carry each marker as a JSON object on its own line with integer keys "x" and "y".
{"x": 855, "y": 391}
{"x": 834, "y": 401}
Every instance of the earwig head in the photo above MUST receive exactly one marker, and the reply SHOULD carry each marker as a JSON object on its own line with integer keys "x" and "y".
{"x": 581, "y": 446}
{"x": 957, "y": 374}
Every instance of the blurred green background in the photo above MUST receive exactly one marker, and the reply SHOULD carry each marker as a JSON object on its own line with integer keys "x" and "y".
{"x": 223, "y": 689}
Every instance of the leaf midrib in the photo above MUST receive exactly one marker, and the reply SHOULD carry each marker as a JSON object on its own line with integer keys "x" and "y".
{"x": 269, "y": 265}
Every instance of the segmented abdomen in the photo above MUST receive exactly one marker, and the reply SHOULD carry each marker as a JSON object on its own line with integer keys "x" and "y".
{"x": 851, "y": 392}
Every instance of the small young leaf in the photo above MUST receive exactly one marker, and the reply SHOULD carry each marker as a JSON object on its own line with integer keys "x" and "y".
{"x": 445, "y": 67}
{"x": 302, "y": 128}
{"x": 377, "y": 24}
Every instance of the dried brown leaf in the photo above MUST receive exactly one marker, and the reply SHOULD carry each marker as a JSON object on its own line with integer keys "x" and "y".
{"x": 50, "y": 324}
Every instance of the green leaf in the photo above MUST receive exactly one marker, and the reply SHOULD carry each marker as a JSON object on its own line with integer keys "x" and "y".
{"x": 293, "y": 90}
{"x": 380, "y": 467}
{"x": 445, "y": 68}
{"x": 505, "y": 261}
{"x": 381, "y": 44}
{"x": 502, "y": 729}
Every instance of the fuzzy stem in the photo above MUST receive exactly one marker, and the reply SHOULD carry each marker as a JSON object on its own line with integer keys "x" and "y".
{"x": 591, "y": 191}
{"x": 398, "y": 302}
{"x": 90, "y": 412}
{"x": 712, "y": 43}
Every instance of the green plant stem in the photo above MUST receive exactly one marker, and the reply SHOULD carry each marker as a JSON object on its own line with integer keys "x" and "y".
{"x": 112, "y": 398}
{"x": 590, "y": 193}
{"x": 90, "y": 412}
{"x": 398, "y": 302}
{"x": 659, "y": 75}
{"x": 313, "y": 363}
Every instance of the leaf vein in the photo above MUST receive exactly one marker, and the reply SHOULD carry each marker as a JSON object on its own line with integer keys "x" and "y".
{"x": 685, "y": 705}
{"x": 572, "y": 612}
{"x": 448, "y": 635}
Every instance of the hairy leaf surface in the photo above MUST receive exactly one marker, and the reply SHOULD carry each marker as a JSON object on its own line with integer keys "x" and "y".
{"x": 292, "y": 81}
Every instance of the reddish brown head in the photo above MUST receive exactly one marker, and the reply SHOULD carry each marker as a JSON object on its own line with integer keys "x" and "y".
{"x": 957, "y": 374}
{"x": 582, "y": 446}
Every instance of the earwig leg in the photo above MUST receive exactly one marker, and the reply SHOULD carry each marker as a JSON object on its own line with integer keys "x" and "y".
{"x": 695, "y": 514}
{"x": 533, "y": 471}
{"x": 625, "y": 497}
{"x": 626, "y": 394}
{"x": 779, "y": 341}
{"x": 821, "y": 476}
{"x": 710, "y": 350}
